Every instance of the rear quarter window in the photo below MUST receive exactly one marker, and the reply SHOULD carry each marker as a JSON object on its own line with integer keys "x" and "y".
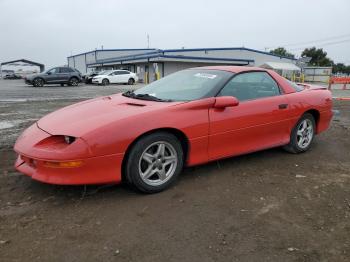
{"x": 296, "y": 87}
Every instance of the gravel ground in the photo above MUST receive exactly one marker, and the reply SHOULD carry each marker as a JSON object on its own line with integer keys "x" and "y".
{"x": 265, "y": 206}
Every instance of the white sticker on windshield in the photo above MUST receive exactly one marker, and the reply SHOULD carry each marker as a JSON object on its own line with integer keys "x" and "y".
{"x": 205, "y": 75}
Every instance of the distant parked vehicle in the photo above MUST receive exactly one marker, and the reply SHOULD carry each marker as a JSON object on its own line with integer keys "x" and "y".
{"x": 56, "y": 75}
{"x": 88, "y": 77}
{"x": 12, "y": 76}
{"x": 115, "y": 77}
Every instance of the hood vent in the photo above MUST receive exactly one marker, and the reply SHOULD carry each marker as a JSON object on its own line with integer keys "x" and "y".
{"x": 134, "y": 104}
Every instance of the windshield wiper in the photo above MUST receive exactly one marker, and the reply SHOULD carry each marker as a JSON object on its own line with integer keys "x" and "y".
{"x": 145, "y": 97}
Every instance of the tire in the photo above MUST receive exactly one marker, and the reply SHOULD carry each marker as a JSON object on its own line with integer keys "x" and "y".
{"x": 154, "y": 162}
{"x": 73, "y": 81}
{"x": 302, "y": 135}
{"x": 131, "y": 81}
{"x": 62, "y": 84}
{"x": 105, "y": 82}
{"x": 38, "y": 82}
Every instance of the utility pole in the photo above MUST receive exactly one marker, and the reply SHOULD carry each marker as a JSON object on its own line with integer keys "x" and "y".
{"x": 148, "y": 41}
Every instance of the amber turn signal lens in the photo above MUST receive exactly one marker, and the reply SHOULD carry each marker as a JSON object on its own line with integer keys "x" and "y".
{"x": 63, "y": 164}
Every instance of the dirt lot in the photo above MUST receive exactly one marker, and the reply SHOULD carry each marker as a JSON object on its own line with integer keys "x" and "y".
{"x": 265, "y": 206}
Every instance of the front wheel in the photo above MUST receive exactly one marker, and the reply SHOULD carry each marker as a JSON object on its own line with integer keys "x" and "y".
{"x": 302, "y": 135}
{"x": 154, "y": 162}
{"x": 105, "y": 82}
{"x": 38, "y": 82}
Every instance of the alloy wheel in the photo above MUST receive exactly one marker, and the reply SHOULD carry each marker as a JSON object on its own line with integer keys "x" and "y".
{"x": 158, "y": 163}
{"x": 74, "y": 82}
{"x": 305, "y": 133}
{"x": 38, "y": 82}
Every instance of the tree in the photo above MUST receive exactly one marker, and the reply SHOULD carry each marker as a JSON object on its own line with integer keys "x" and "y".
{"x": 341, "y": 68}
{"x": 318, "y": 57}
{"x": 281, "y": 51}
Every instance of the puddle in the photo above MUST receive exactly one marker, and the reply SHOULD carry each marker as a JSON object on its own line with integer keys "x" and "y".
{"x": 9, "y": 124}
{"x": 14, "y": 100}
{"x": 6, "y": 124}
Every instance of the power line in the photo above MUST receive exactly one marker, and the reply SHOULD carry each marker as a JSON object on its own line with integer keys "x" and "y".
{"x": 324, "y": 44}
{"x": 314, "y": 41}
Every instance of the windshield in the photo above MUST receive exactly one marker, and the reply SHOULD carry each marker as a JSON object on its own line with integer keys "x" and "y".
{"x": 186, "y": 85}
{"x": 49, "y": 70}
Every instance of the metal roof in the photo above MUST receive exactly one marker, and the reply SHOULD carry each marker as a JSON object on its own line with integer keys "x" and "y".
{"x": 42, "y": 66}
{"x": 189, "y": 50}
{"x": 280, "y": 66}
{"x": 162, "y": 56}
{"x": 122, "y": 49}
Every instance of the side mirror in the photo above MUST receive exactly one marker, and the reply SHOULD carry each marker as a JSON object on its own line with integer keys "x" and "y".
{"x": 222, "y": 102}
{"x": 49, "y": 73}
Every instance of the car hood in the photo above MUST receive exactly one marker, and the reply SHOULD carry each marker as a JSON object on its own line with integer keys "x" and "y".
{"x": 81, "y": 118}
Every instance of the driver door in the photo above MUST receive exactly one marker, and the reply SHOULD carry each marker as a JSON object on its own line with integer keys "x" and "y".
{"x": 261, "y": 120}
{"x": 52, "y": 75}
{"x": 64, "y": 74}
{"x": 116, "y": 77}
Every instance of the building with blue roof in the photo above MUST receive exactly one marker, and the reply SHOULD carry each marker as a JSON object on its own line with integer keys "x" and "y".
{"x": 150, "y": 63}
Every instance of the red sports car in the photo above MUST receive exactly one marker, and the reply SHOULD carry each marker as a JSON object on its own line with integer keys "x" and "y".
{"x": 188, "y": 118}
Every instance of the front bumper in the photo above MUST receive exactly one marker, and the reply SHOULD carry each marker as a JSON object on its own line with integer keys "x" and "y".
{"x": 28, "y": 81}
{"x": 95, "y": 170}
{"x": 33, "y": 156}
{"x": 96, "y": 81}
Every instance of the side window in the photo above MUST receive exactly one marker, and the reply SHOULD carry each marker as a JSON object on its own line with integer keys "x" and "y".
{"x": 54, "y": 70}
{"x": 65, "y": 70}
{"x": 248, "y": 86}
{"x": 121, "y": 72}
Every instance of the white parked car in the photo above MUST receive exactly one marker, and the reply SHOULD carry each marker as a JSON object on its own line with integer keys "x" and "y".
{"x": 115, "y": 77}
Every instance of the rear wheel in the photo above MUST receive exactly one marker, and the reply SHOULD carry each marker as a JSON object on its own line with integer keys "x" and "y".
{"x": 131, "y": 81}
{"x": 302, "y": 135}
{"x": 154, "y": 162}
{"x": 73, "y": 81}
{"x": 38, "y": 82}
{"x": 105, "y": 82}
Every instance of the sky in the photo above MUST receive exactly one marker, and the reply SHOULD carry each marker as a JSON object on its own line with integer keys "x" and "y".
{"x": 48, "y": 31}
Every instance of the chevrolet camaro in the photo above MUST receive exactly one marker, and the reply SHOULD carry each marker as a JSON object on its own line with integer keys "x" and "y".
{"x": 146, "y": 137}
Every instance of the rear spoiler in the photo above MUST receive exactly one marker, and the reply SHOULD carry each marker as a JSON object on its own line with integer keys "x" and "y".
{"x": 311, "y": 87}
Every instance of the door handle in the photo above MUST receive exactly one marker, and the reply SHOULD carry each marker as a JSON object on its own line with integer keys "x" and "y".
{"x": 282, "y": 106}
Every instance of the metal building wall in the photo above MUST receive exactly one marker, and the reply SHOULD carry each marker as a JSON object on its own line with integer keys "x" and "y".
{"x": 172, "y": 67}
{"x": 106, "y": 54}
{"x": 80, "y": 61}
{"x": 71, "y": 62}
{"x": 317, "y": 74}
